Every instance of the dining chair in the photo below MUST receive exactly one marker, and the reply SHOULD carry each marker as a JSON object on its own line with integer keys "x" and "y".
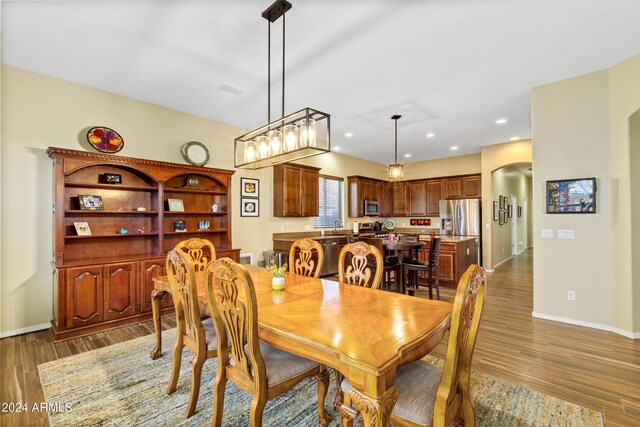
{"x": 306, "y": 257}
{"x": 390, "y": 264}
{"x": 427, "y": 394}
{"x": 200, "y": 251}
{"x": 358, "y": 271}
{"x": 253, "y": 366}
{"x": 192, "y": 332}
{"x": 412, "y": 270}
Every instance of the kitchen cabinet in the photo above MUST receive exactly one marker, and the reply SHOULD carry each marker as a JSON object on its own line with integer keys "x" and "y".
{"x": 456, "y": 255}
{"x": 401, "y": 199}
{"x": 418, "y": 198}
{"x": 386, "y": 202}
{"x": 434, "y": 195}
{"x": 295, "y": 190}
{"x": 452, "y": 188}
{"x": 472, "y": 186}
{"x": 361, "y": 188}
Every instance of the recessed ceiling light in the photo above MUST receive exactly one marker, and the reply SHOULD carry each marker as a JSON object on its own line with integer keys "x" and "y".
{"x": 430, "y": 135}
{"x": 407, "y": 155}
{"x": 514, "y": 138}
{"x": 501, "y": 121}
{"x": 454, "y": 148}
{"x": 336, "y": 148}
{"x": 348, "y": 134}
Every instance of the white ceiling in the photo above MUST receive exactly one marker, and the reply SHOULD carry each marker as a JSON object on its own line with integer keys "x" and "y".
{"x": 450, "y": 67}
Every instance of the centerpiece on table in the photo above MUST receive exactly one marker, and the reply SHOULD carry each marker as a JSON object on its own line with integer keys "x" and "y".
{"x": 277, "y": 282}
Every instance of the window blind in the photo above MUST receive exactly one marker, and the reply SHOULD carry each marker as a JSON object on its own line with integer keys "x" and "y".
{"x": 329, "y": 201}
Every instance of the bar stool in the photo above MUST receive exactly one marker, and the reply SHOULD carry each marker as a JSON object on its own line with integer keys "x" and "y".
{"x": 411, "y": 271}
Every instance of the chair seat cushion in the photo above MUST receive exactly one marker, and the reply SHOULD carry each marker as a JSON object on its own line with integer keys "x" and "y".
{"x": 281, "y": 365}
{"x": 417, "y": 385}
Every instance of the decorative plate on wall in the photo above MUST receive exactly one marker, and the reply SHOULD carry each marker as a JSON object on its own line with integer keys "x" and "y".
{"x": 105, "y": 140}
{"x": 195, "y": 153}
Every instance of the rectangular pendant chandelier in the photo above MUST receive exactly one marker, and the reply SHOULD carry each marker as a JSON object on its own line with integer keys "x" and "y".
{"x": 304, "y": 133}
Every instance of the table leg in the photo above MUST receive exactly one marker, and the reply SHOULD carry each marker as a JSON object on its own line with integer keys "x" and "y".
{"x": 376, "y": 412}
{"x": 156, "y": 296}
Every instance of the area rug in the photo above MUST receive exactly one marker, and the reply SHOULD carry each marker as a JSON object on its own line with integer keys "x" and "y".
{"x": 120, "y": 385}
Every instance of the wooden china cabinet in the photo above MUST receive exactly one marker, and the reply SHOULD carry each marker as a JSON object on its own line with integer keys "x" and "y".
{"x": 104, "y": 279}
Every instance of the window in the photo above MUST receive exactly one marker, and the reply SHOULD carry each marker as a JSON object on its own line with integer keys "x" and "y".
{"x": 329, "y": 202}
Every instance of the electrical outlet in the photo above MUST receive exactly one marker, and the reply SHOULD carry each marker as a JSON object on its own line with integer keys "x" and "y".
{"x": 486, "y": 226}
{"x": 282, "y": 228}
{"x": 547, "y": 233}
{"x": 307, "y": 227}
{"x": 571, "y": 295}
{"x": 467, "y": 251}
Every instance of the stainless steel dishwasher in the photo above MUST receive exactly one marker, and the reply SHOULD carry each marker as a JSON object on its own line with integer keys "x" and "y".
{"x": 331, "y": 254}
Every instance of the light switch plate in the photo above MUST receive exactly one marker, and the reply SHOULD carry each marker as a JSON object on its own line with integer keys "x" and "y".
{"x": 547, "y": 233}
{"x": 566, "y": 234}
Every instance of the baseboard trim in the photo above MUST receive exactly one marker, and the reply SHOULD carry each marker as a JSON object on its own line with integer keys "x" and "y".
{"x": 632, "y": 335}
{"x": 26, "y": 330}
{"x": 502, "y": 262}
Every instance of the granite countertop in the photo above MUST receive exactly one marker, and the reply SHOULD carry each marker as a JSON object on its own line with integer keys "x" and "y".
{"x": 449, "y": 238}
{"x": 325, "y": 237}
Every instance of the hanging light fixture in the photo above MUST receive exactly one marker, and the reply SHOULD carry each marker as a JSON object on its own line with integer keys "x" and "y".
{"x": 298, "y": 135}
{"x": 396, "y": 171}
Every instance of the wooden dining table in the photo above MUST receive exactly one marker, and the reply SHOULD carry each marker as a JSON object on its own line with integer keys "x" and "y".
{"x": 365, "y": 334}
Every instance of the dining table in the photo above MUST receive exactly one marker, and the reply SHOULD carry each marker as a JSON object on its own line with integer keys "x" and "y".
{"x": 365, "y": 334}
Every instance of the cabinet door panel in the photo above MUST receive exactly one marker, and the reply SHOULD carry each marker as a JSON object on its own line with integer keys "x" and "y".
{"x": 84, "y": 296}
{"x": 400, "y": 199}
{"x": 418, "y": 197}
{"x": 291, "y": 191}
{"x": 434, "y": 195}
{"x": 452, "y": 188}
{"x": 310, "y": 189}
{"x": 472, "y": 186}
{"x": 446, "y": 266}
{"x": 151, "y": 269}
{"x": 119, "y": 290}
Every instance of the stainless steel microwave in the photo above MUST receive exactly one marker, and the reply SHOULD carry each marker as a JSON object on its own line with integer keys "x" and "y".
{"x": 371, "y": 208}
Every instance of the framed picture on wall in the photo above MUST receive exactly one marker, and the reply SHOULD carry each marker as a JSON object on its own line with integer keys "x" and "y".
{"x": 501, "y": 217}
{"x": 496, "y": 211}
{"x": 510, "y": 211}
{"x": 249, "y": 207}
{"x": 250, "y": 187}
{"x": 519, "y": 211}
{"x": 569, "y": 196}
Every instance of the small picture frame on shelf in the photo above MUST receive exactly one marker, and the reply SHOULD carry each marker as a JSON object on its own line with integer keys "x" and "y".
{"x": 249, "y": 207}
{"x": 90, "y": 202}
{"x": 82, "y": 228}
{"x": 111, "y": 178}
{"x": 175, "y": 205}
{"x": 203, "y": 225}
{"x": 250, "y": 187}
{"x": 181, "y": 226}
{"x": 496, "y": 211}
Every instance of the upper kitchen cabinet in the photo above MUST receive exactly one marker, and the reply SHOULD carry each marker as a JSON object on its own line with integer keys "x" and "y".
{"x": 386, "y": 198}
{"x": 361, "y": 188}
{"x": 462, "y": 187}
{"x": 401, "y": 197}
{"x": 472, "y": 186}
{"x": 434, "y": 195}
{"x": 295, "y": 190}
{"x": 418, "y": 198}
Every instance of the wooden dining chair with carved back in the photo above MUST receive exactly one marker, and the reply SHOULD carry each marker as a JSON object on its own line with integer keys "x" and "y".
{"x": 357, "y": 270}
{"x": 192, "y": 332}
{"x": 306, "y": 257}
{"x": 200, "y": 251}
{"x": 412, "y": 271}
{"x": 427, "y": 394}
{"x": 390, "y": 264}
{"x": 253, "y": 366}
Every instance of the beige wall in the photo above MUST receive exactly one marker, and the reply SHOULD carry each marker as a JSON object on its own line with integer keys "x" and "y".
{"x": 494, "y": 157}
{"x": 581, "y": 129}
{"x": 634, "y": 142}
{"x": 510, "y": 181}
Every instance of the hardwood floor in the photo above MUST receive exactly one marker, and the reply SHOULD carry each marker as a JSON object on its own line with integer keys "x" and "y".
{"x": 596, "y": 369}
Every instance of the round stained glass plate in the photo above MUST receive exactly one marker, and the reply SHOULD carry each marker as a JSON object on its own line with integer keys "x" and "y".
{"x": 105, "y": 140}
{"x": 196, "y": 153}
{"x": 389, "y": 224}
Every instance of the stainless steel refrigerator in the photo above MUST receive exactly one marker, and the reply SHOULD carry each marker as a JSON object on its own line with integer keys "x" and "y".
{"x": 462, "y": 218}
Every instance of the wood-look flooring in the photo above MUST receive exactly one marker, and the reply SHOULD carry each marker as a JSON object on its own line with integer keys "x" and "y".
{"x": 596, "y": 369}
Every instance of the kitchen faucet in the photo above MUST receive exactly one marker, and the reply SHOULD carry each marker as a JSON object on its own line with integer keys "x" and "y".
{"x": 335, "y": 224}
